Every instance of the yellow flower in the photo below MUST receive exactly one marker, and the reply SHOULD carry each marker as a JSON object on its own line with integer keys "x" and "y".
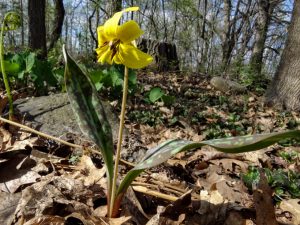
{"x": 116, "y": 42}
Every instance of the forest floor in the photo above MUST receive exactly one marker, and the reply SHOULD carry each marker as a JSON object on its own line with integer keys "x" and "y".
{"x": 42, "y": 181}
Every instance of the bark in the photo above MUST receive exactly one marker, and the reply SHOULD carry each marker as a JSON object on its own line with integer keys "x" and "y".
{"x": 22, "y": 23}
{"x": 285, "y": 87}
{"x": 164, "y": 21}
{"x": 231, "y": 32}
{"x": 265, "y": 10}
{"x": 58, "y": 22}
{"x": 164, "y": 54}
{"x": 226, "y": 34}
{"x": 115, "y": 6}
{"x": 37, "y": 28}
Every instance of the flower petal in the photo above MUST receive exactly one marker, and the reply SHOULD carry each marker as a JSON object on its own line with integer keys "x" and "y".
{"x": 129, "y": 31}
{"x": 104, "y": 54}
{"x": 102, "y": 39}
{"x": 131, "y": 57}
{"x": 111, "y": 25}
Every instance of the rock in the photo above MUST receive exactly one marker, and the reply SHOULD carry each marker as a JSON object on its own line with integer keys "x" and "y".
{"x": 53, "y": 115}
{"x": 225, "y": 85}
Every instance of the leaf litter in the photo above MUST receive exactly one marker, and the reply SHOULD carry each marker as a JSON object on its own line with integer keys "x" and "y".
{"x": 42, "y": 182}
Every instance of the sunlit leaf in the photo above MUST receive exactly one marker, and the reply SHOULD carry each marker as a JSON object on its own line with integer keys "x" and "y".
{"x": 155, "y": 94}
{"x": 88, "y": 109}
{"x": 11, "y": 67}
{"x": 165, "y": 150}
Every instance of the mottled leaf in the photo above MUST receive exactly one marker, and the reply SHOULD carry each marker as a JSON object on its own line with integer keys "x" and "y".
{"x": 88, "y": 109}
{"x": 165, "y": 150}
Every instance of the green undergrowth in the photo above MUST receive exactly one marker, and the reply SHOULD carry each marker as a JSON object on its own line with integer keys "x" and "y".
{"x": 285, "y": 183}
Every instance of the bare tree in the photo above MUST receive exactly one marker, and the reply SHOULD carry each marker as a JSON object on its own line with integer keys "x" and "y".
{"x": 57, "y": 23}
{"x": 265, "y": 10}
{"x": 285, "y": 88}
{"x": 37, "y": 28}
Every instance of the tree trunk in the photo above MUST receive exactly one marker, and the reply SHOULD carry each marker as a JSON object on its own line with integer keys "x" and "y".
{"x": 22, "y": 23}
{"x": 261, "y": 24}
{"x": 226, "y": 34}
{"x": 37, "y": 28}
{"x": 164, "y": 54}
{"x": 115, "y": 6}
{"x": 285, "y": 87}
{"x": 58, "y": 22}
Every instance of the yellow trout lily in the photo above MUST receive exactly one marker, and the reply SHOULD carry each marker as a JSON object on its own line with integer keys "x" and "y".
{"x": 116, "y": 42}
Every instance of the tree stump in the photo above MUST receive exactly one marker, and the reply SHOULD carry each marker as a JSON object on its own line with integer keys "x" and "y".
{"x": 164, "y": 54}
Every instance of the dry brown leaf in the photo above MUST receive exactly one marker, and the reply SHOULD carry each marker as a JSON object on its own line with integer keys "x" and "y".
{"x": 161, "y": 176}
{"x": 46, "y": 220}
{"x": 119, "y": 221}
{"x": 9, "y": 203}
{"x": 234, "y": 192}
{"x": 231, "y": 165}
{"x": 214, "y": 197}
{"x": 266, "y": 124}
{"x": 292, "y": 206}
{"x": 235, "y": 218}
{"x": 17, "y": 170}
{"x": 89, "y": 173}
{"x": 265, "y": 213}
{"x": 30, "y": 142}
{"x": 26, "y": 177}
{"x": 101, "y": 211}
{"x": 131, "y": 206}
{"x": 55, "y": 195}
{"x": 77, "y": 218}
{"x": 5, "y": 138}
{"x": 256, "y": 157}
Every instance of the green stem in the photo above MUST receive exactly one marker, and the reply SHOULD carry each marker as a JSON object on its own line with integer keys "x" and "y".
{"x": 119, "y": 145}
{"x": 5, "y": 79}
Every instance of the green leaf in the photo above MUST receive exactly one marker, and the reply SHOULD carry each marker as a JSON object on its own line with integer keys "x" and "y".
{"x": 11, "y": 67}
{"x": 30, "y": 61}
{"x": 42, "y": 76}
{"x": 165, "y": 150}
{"x": 96, "y": 76}
{"x": 132, "y": 78}
{"x": 155, "y": 94}
{"x": 168, "y": 100}
{"x": 88, "y": 109}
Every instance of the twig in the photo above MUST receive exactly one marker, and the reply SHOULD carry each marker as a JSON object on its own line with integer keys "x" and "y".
{"x": 157, "y": 187}
{"x": 40, "y": 133}
{"x": 154, "y": 193}
{"x": 57, "y": 139}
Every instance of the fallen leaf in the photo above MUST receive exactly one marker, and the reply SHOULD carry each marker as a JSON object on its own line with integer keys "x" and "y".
{"x": 292, "y": 206}
{"x": 265, "y": 213}
{"x": 9, "y": 203}
{"x": 119, "y": 221}
{"x": 46, "y": 220}
{"x": 89, "y": 173}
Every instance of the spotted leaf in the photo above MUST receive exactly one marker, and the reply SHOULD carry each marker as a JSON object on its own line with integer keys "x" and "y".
{"x": 88, "y": 109}
{"x": 165, "y": 150}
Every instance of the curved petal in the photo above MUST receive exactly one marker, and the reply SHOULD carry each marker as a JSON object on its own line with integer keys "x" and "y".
{"x": 102, "y": 39}
{"x": 111, "y": 25}
{"x": 132, "y": 57}
{"x": 129, "y": 31}
{"x": 101, "y": 50}
{"x": 104, "y": 54}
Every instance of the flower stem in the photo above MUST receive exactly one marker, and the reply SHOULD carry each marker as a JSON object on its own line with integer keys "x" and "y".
{"x": 5, "y": 79}
{"x": 119, "y": 145}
